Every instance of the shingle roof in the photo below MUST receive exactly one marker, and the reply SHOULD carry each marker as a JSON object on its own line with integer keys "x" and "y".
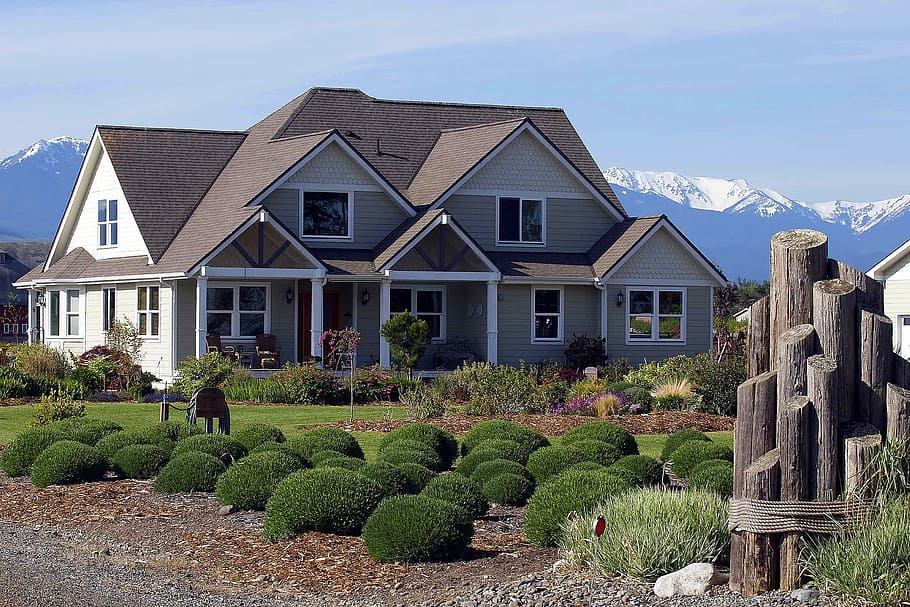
{"x": 543, "y": 265}
{"x": 80, "y": 264}
{"x": 358, "y": 262}
{"x": 402, "y": 235}
{"x": 619, "y": 241}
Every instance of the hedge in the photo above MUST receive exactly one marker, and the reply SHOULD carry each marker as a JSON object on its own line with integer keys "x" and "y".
{"x": 409, "y": 528}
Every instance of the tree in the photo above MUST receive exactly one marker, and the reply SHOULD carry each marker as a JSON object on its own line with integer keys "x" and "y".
{"x": 408, "y": 337}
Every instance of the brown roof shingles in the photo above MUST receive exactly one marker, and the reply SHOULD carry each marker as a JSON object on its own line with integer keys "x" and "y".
{"x": 401, "y": 236}
{"x": 619, "y": 241}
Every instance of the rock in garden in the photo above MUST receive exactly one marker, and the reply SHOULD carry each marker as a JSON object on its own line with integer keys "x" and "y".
{"x": 804, "y": 595}
{"x": 692, "y": 580}
{"x": 226, "y": 510}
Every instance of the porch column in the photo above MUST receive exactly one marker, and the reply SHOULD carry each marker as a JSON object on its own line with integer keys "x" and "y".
{"x": 201, "y": 314}
{"x": 385, "y": 296}
{"x": 492, "y": 321}
{"x": 604, "y": 311}
{"x": 316, "y": 316}
{"x": 31, "y": 316}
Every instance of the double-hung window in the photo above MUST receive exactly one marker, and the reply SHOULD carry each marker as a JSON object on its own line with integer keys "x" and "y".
{"x": 107, "y": 223}
{"x": 427, "y": 303}
{"x": 520, "y": 221}
{"x": 546, "y": 314}
{"x": 63, "y": 313}
{"x": 108, "y": 307}
{"x": 656, "y": 314}
{"x": 326, "y": 215}
{"x": 237, "y": 310}
{"x": 148, "y": 311}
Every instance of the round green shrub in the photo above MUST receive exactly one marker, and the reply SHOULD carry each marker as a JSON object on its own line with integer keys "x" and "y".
{"x": 692, "y": 453}
{"x": 331, "y": 500}
{"x": 679, "y": 437}
{"x": 427, "y": 459}
{"x": 592, "y": 450}
{"x": 571, "y": 491}
{"x": 468, "y": 463}
{"x": 253, "y": 435}
{"x": 188, "y": 472}
{"x": 508, "y": 449}
{"x": 392, "y": 479}
{"x": 494, "y": 467}
{"x": 503, "y": 429}
{"x": 112, "y": 443}
{"x": 603, "y": 431}
{"x": 167, "y": 434}
{"x": 638, "y": 396}
{"x": 645, "y": 470}
{"x": 341, "y": 461}
{"x": 410, "y": 445}
{"x": 139, "y": 461}
{"x": 417, "y": 476}
{"x": 410, "y": 528}
{"x": 508, "y": 489}
{"x": 588, "y": 466}
{"x": 223, "y": 447}
{"x": 67, "y": 462}
{"x": 439, "y": 440}
{"x": 321, "y": 456}
{"x": 85, "y": 430}
{"x": 249, "y": 483}
{"x": 547, "y": 462}
{"x": 326, "y": 438}
{"x": 713, "y": 475}
{"x": 456, "y": 489}
{"x": 283, "y": 448}
{"x": 20, "y": 454}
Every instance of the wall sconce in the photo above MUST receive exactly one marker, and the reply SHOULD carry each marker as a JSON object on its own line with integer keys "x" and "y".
{"x": 40, "y": 299}
{"x": 620, "y": 299}
{"x": 289, "y": 295}
{"x": 365, "y": 297}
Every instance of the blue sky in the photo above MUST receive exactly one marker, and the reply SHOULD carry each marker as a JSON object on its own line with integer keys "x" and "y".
{"x": 806, "y": 97}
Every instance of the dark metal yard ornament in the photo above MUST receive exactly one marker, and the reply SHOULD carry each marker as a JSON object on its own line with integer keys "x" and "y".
{"x": 599, "y": 526}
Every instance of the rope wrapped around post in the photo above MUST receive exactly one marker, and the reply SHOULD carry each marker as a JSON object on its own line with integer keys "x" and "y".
{"x": 766, "y": 517}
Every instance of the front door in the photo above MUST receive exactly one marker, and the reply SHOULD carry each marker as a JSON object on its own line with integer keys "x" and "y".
{"x": 331, "y": 317}
{"x": 905, "y": 336}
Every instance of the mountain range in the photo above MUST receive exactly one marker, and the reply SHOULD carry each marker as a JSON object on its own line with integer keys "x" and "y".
{"x": 730, "y": 220}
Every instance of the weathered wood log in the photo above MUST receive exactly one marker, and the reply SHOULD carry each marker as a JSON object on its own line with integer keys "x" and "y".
{"x": 869, "y": 292}
{"x": 900, "y": 373}
{"x": 759, "y": 346}
{"x": 795, "y": 346}
{"x": 755, "y": 568}
{"x": 834, "y": 319}
{"x": 797, "y": 439}
{"x": 756, "y": 423}
{"x": 799, "y": 258}
{"x": 824, "y": 390}
{"x": 862, "y": 444}
{"x": 876, "y": 365}
{"x": 898, "y": 412}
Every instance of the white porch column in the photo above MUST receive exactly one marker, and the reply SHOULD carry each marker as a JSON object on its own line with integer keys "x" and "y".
{"x": 492, "y": 321}
{"x": 385, "y": 296}
{"x": 316, "y": 316}
{"x": 201, "y": 314}
{"x": 31, "y": 316}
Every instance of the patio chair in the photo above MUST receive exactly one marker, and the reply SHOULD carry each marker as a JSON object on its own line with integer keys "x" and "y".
{"x": 213, "y": 344}
{"x": 267, "y": 351}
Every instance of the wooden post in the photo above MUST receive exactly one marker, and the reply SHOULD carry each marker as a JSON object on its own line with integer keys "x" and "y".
{"x": 900, "y": 373}
{"x": 759, "y": 346}
{"x": 824, "y": 391}
{"x": 869, "y": 292}
{"x": 797, "y": 431}
{"x": 875, "y": 368}
{"x": 795, "y": 346}
{"x": 862, "y": 444}
{"x": 756, "y": 569}
{"x": 799, "y": 258}
{"x": 898, "y": 406}
{"x": 834, "y": 315}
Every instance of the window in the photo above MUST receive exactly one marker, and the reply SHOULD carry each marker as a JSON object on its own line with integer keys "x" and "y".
{"x": 546, "y": 314}
{"x": 107, "y": 223}
{"x": 53, "y": 311}
{"x": 108, "y": 308}
{"x": 326, "y": 215}
{"x": 237, "y": 310}
{"x": 520, "y": 220}
{"x": 656, "y": 314}
{"x": 15, "y": 328}
{"x": 148, "y": 312}
{"x": 24, "y": 328}
{"x": 72, "y": 312}
{"x": 427, "y": 303}
{"x": 6, "y": 329}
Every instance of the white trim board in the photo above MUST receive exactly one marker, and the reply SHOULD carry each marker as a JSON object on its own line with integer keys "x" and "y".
{"x": 879, "y": 270}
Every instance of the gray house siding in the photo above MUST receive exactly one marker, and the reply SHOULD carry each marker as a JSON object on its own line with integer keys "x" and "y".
{"x": 186, "y": 319}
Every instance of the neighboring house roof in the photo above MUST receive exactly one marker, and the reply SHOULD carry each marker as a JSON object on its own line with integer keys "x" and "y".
{"x": 880, "y": 269}
{"x": 10, "y": 271}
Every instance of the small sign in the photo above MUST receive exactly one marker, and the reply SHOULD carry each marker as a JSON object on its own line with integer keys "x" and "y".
{"x": 600, "y": 525}
{"x": 591, "y": 372}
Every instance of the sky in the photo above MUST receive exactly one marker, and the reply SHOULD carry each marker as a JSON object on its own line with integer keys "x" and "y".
{"x": 809, "y": 98}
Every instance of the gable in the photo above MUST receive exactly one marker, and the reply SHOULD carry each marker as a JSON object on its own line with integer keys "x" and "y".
{"x": 524, "y": 165}
{"x": 662, "y": 257}
{"x": 272, "y": 251}
{"x": 441, "y": 250}
{"x": 899, "y": 270}
{"x": 333, "y": 165}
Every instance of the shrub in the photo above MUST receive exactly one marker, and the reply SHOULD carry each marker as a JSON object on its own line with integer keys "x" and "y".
{"x": 592, "y": 450}
{"x": 253, "y": 435}
{"x": 39, "y": 360}
{"x": 441, "y": 441}
{"x": 167, "y": 434}
{"x": 643, "y": 470}
{"x": 503, "y": 429}
{"x": 674, "y": 394}
{"x": 586, "y": 387}
{"x": 208, "y": 371}
{"x": 456, "y": 489}
{"x": 423, "y": 401}
{"x": 331, "y": 500}
{"x": 649, "y": 532}
{"x": 645, "y": 376}
{"x": 427, "y": 459}
{"x": 67, "y": 462}
{"x": 678, "y": 438}
{"x": 249, "y": 483}
{"x": 589, "y": 466}
{"x": 90, "y": 379}
{"x": 320, "y": 456}
{"x": 613, "y": 371}
{"x": 139, "y": 461}
{"x": 509, "y": 449}
{"x": 408, "y": 338}
{"x": 409, "y": 528}
{"x": 717, "y": 385}
{"x": 417, "y": 476}
{"x": 498, "y": 390}
{"x": 308, "y": 384}
{"x": 112, "y": 443}
{"x": 223, "y": 447}
{"x": 487, "y": 470}
{"x": 188, "y": 472}
{"x": 341, "y": 461}
{"x": 405, "y": 444}
{"x": 469, "y": 463}
{"x": 56, "y": 406}
{"x": 713, "y": 475}
{"x": 392, "y": 480}
{"x": 12, "y": 388}
{"x": 571, "y": 491}
{"x": 692, "y": 453}
{"x": 326, "y": 438}
{"x": 508, "y": 489}
{"x": 372, "y": 384}
{"x": 271, "y": 446}
{"x": 548, "y": 462}
{"x": 20, "y": 454}
{"x": 583, "y": 351}
{"x": 251, "y": 389}
{"x": 638, "y": 400}
{"x": 87, "y": 430}
{"x": 603, "y": 431}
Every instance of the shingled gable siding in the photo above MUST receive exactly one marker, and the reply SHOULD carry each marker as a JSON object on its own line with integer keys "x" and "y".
{"x": 104, "y": 185}
{"x": 662, "y": 257}
{"x": 332, "y": 165}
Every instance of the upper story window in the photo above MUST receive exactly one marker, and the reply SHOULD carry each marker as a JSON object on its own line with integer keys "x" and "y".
{"x": 148, "y": 311}
{"x": 65, "y": 316}
{"x": 107, "y": 223}
{"x": 520, "y": 221}
{"x": 546, "y": 314}
{"x": 327, "y": 215}
{"x": 656, "y": 314}
{"x": 427, "y": 303}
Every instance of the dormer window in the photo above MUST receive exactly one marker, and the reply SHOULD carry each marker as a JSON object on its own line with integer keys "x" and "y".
{"x": 520, "y": 221}
{"x": 326, "y": 215}
{"x": 107, "y": 223}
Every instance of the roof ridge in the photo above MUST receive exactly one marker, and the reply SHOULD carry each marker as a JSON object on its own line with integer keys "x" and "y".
{"x": 305, "y": 98}
{"x": 124, "y": 127}
{"x": 302, "y": 136}
{"x": 463, "y": 104}
{"x": 485, "y": 124}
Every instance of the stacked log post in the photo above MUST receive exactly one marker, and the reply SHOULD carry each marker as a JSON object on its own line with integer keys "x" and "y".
{"x": 824, "y": 390}
{"x": 755, "y": 568}
{"x": 875, "y": 368}
{"x": 833, "y": 309}
{"x": 759, "y": 345}
{"x": 795, "y": 346}
{"x": 900, "y": 371}
{"x": 862, "y": 444}
{"x": 869, "y": 292}
{"x": 898, "y": 410}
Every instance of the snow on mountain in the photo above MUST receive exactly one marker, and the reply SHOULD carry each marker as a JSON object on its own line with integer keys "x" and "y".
{"x": 861, "y": 216}
{"x": 48, "y": 152}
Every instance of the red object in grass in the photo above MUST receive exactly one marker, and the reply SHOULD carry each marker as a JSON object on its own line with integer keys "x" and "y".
{"x": 599, "y": 526}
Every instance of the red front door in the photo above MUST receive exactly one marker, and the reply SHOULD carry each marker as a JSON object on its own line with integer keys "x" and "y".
{"x": 331, "y": 317}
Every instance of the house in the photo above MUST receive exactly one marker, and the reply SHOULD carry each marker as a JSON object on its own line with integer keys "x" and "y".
{"x": 894, "y": 273}
{"x": 13, "y": 313}
{"x": 491, "y": 223}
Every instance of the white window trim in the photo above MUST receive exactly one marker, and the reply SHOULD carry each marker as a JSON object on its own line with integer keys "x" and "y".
{"x": 350, "y": 195}
{"x": 443, "y": 321}
{"x": 24, "y": 328}
{"x": 543, "y": 221}
{"x": 6, "y": 329}
{"x": 148, "y": 336}
{"x": 62, "y": 323}
{"x": 105, "y": 292}
{"x": 107, "y": 224}
{"x": 655, "y": 326}
{"x": 562, "y": 315}
{"x": 235, "y": 307}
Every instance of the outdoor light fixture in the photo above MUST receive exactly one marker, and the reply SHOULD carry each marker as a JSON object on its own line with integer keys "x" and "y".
{"x": 365, "y": 297}
{"x": 620, "y": 299}
{"x": 289, "y": 295}
{"x": 40, "y": 299}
